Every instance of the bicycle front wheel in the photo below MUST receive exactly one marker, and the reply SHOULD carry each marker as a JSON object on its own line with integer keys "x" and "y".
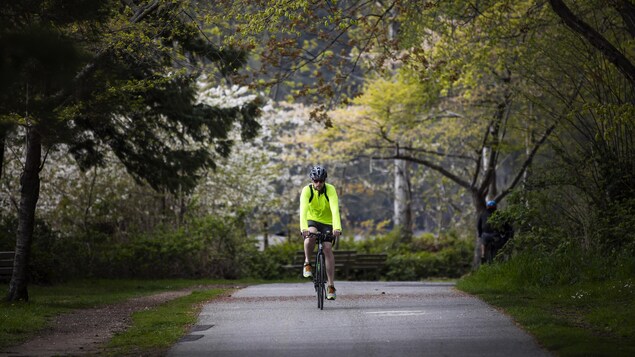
{"x": 320, "y": 275}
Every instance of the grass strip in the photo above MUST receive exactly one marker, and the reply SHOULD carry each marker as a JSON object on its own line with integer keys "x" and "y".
{"x": 155, "y": 330}
{"x": 20, "y": 321}
{"x": 584, "y": 319}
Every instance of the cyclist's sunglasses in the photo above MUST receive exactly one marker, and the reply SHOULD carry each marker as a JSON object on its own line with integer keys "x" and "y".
{"x": 318, "y": 181}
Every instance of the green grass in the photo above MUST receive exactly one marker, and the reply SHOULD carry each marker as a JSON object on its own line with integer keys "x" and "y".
{"x": 20, "y": 321}
{"x": 587, "y": 318}
{"x": 156, "y": 330}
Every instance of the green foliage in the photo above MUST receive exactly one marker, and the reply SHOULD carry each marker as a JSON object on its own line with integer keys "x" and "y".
{"x": 205, "y": 247}
{"x": 19, "y": 321}
{"x": 120, "y": 84}
{"x": 450, "y": 262}
{"x": 423, "y": 258}
{"x": 371, "y": 244}
{"x": 161, "y": 327}
{"x": 554, "y": 214}
{"x": 210, "y": 247}
{"x": 267, "y": 264}
{"x": 53, "y": 259}
{"x": 616, "y": 224}
{"x": 536, "y": 270}
{"x": 574, "y": 302}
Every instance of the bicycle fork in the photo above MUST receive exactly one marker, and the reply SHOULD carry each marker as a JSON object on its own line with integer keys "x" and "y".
{"x": 318, "y": 268}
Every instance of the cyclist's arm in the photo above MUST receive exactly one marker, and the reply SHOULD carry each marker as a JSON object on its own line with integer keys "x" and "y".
{"x": 335, "y": 210}
{"x": 304, "y": 208}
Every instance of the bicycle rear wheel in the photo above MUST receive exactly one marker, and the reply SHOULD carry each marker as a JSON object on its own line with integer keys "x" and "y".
{"x": 489, "y": 253}
{"x": 320, "y": 276}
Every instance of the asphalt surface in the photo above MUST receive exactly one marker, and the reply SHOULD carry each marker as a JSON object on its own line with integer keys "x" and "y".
{"x": 367, "y": 319}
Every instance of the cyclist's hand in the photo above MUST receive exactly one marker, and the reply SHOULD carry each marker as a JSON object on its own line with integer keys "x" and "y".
{"x": 305, "y": 233}
{"x": 337, "y": 233}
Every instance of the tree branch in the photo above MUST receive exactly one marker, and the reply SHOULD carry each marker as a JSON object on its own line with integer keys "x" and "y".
{"x": 428, "y": 164}
{"x": 141, "y": 13}
{"x": 430, "y": 152}
{"x": 540, "y": 142}
{"x": 526, "y": 164}
{"x": 626, "y": 9}
{"x": 595, "y": 39}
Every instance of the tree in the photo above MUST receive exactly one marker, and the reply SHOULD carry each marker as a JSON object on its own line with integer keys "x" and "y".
{"x": 384, "y": 112}
{"x": 466, "y": 54}
{"x": 594, "y": 144}
{"x": 620, "y": 60}
{"x": 97, "y": 76}
{"x": 469, "y": 100}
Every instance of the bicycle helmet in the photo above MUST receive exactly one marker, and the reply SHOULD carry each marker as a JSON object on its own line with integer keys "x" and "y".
{"x": 318, "y": 173}
{"x": 491, "y": 204}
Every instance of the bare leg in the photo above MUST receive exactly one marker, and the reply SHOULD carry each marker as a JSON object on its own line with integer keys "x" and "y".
{"x": 330, "y": 263}
{"x": 309, "y": 245}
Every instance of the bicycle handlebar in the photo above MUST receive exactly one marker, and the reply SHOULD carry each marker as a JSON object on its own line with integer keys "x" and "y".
{"x": 321, "y": 235}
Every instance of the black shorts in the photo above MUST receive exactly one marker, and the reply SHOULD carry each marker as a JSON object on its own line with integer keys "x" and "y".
{"x": 487, "y": 238}
{"x": 322, "y": 228}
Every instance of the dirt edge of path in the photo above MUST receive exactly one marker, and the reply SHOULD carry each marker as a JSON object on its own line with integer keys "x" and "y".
{"x": 85, "y": 331}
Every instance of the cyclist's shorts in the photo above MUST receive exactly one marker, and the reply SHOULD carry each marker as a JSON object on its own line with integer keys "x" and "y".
{"x": 321, "y": 227}
{"x": 487, "y": 238}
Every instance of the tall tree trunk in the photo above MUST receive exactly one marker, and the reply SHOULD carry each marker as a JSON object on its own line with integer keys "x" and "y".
{"x": 479, "y": 203}
{"x": 265, "y": 235}
{"x": 403, "y": 206}
{"x": 490, "y": 169}
{"x": 529, "y": 140}
{"x": 29, "y": 195}
{"x": 2, "y": 140}
{"x": 402, "y": 216}
{"x": 4, "y": 133}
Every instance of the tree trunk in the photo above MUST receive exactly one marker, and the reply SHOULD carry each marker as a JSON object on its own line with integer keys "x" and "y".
{"x": 490, "y": 169}
{"x": 265, "y": 236}
{"x": 29, "y": 195}
{"x": 4, "y": 133}
{"x": 2, "y": 140}
{"x": 479, "y": 204}
{"x": 403, "y": 209}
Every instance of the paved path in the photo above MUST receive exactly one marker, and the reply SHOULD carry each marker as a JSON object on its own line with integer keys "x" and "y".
{"x": 367, "y": 319}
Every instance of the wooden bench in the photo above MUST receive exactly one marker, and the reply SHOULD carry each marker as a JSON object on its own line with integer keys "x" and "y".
{"x": 344, "y": 260}
{"x": 348, "y": 264}
{"x": 6, "y": 265}
{"x": 369, "y": 265}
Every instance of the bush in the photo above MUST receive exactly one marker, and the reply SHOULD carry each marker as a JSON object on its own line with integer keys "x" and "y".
{"x": 210, "y": 247}
{"x": 52, "y": 259}
{"x": 370, "y": 245}
{"x": 535, "y": 270}
{"x": 272, "y": 260}
{"x": 424, "y": 257}
{"x": 218, "y": 247}
{"x": 450, "y": 262}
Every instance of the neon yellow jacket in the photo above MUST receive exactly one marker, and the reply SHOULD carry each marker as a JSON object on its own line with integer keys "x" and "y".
{"x": 319, "y": 209}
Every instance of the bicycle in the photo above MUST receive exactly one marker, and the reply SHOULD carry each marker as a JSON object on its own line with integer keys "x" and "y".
{"x": 493, "y": 244}
{"x": 319, "y": 275}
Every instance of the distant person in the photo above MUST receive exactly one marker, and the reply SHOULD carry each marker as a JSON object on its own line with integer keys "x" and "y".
{"x": 488, "y": 233}
{"x": 319, "y": 212}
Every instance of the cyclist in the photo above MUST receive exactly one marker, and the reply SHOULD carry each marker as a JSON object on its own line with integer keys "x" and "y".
{"x": 487, "y": 233}
{"x": 319, "y": 211}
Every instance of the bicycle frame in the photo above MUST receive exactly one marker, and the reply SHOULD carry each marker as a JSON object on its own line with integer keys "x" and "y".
{"x": 492, "y": 248}
{"x": 319, "y": 276}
